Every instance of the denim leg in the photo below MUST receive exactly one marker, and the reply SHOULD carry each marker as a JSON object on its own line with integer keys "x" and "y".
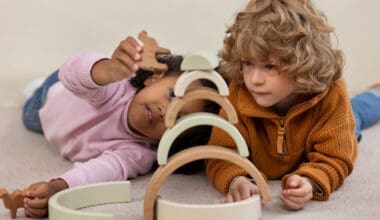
{"x": 30, "y": 113}
{"x": 366, "y": 109}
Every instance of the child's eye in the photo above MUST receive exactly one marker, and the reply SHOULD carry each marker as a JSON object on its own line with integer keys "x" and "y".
{"x": 171, "y": 93}
{"x": 246, "y": 63}
{"x": 178, "y": 116}
{"x": 269, "y": 66}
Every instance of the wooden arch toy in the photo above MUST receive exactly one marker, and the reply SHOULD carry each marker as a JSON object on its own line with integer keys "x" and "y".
{"x": 187, "y": 78}
{"x": 201, "y": 60}
{"x": 248, "y": 209}
{"x": 203, "y": 93}
{"x": 64, "y": 205}
{"x": 196, "y": 119}
{"x": 197, "y": 153}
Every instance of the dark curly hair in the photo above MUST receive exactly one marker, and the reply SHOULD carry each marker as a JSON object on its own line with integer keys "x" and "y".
{"x": 194, "y": 136}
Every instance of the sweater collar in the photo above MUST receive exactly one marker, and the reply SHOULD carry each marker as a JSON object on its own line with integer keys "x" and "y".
{"x": 247, "y": 105}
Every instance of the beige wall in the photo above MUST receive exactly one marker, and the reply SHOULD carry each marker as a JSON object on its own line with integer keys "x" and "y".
{"x": 37, "y": 36}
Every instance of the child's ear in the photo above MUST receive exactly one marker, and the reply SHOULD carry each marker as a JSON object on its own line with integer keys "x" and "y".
{"x": 153, "y": 78}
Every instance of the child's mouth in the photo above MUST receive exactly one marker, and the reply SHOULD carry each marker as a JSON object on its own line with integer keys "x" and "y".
{"x": 149, "y": 115}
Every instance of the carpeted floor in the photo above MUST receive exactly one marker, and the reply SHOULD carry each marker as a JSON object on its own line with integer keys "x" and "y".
{"x": 26, "y": 158}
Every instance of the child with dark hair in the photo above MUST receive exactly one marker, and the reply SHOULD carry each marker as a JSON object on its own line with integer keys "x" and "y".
{"x": 107, "y": 116}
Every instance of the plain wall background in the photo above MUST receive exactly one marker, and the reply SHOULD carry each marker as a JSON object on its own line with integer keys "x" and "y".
{"x": 37, "y": 36}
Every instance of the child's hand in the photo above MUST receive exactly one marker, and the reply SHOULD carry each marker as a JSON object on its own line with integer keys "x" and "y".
{"x": 298, "y": 191}
{"x": 121, "y": 65}
{"x": 37, "y": 196}
{"x": 241, "y": 188}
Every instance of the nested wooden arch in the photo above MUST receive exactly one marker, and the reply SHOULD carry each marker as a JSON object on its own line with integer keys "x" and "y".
{"x": 196, "y": 153}
{"x": 187, "y": 78}
{"x": 197, "y": 119}
{"x": 202, "y": 93}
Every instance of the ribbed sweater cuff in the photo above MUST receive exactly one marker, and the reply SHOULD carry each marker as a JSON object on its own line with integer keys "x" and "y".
{"x": 223, "y": 180}
{"x": 85, "y": 68}
{"x": 318, "y": 176}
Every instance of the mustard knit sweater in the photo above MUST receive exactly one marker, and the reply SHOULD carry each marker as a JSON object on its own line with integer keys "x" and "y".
{"x": 315, "y": 139}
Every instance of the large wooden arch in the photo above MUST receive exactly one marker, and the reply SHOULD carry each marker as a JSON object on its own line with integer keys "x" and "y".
{"x": 196, "y": 153}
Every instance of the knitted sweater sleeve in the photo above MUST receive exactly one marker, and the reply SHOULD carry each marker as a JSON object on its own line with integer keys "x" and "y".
{"x": 122, "y": 162}
{"x": 219, "y": 172}
{"x": 333, "y": 144}
{"x": 75, "y": 75}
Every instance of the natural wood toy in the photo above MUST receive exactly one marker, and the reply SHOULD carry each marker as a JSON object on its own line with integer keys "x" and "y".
{"x": 201, "y": 60}
{"x": 204, "y": 93}
{"x": 197, "y": 119}
{"x": 13, "y": 201}
{"x": 245, "y": 210}
{"x": 200, "y": 65}
{"x": 157, "y": 208}
{"x": 149, "y": 51}
{"x": 187, "y": 78}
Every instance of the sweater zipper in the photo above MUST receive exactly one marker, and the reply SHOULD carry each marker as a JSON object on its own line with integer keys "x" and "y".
{"x": 280, "y": 138}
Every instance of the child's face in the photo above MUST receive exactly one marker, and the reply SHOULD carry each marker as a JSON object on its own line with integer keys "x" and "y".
{"x": 148, "y": 108}
{"x": 267, "y": 85}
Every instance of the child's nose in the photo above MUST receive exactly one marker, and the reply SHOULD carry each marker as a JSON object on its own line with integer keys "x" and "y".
{"x": 256, "y": 76}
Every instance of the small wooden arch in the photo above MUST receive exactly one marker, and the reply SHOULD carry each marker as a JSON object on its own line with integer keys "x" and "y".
{"x": 201, "y": 60}
{"x": 203, "y": 93}
{"x": 185, "y": 79}
{"x": 197, "y": 153}
{"x": 197, "y": 119}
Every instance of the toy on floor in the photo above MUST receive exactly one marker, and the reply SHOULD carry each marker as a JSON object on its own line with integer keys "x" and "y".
{"x": 148, "y": 55}
{"x": 13, "y": 201}
{"x": 160, "y": 209}
{"x": 63, "y": 205}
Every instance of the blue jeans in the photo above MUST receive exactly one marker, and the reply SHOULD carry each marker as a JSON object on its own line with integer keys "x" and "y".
{"x": 30, "y": 115}
{"x": 366, "y": 109}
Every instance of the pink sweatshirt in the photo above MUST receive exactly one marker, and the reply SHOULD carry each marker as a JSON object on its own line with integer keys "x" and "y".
{"x": 88, "y": 125}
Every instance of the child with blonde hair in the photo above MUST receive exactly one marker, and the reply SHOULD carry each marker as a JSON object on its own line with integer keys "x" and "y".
{"x": 293, "y": 107}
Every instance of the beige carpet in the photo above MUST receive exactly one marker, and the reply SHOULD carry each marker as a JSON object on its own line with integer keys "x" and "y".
{"x": 27, "y": 158}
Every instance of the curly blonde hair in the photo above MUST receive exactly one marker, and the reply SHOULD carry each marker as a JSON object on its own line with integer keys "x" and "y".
{"x": 294, "y": 33}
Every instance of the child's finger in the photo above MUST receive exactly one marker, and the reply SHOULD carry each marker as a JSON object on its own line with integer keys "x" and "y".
{"x": 37, "y": 192}
{"x": 293, "y": 181}
{"x": 126, "y": 61}
{"x": 134, "y": 43}
{"x": 299, "y": 192}
{"x": 290, "y": 204}
{"x": 228, "y": 198}
{"x": 245, "y": 193}
{"x": 236, "y": 196}
{"x": 129, "y": 49}
{"x": 296, "y": 199}
{"x": 254, "y": 191}
{"x": 36, "y": 213}
{"x": 36, "y": 203}
{"x": 126, "y": 64}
